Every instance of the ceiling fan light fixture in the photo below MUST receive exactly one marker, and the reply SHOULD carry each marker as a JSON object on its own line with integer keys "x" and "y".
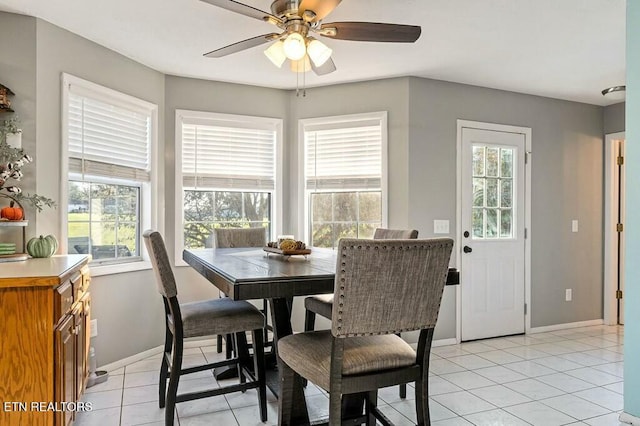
{"x": 276, "y": 54}
{"x": 616, "y": 93}
{"x": 318, "y": 52}
{"x": 301, "y": 65}
{"x": 294, "y": 47}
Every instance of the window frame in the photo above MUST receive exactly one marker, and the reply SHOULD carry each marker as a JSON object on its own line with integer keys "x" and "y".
{"x": 215, "y": 118}
{"x": 150, "y": 196}
{"x": 304, "y": 205}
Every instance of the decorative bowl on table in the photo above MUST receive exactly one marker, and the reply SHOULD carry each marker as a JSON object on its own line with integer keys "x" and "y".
{"x": 287, "y": 248}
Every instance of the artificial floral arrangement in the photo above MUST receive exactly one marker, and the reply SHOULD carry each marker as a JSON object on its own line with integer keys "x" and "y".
{"x": 12, "y": 160}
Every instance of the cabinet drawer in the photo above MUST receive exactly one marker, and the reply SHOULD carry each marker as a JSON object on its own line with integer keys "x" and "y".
{"x": 62, "y": 301}
{"x": 77, "y": 283}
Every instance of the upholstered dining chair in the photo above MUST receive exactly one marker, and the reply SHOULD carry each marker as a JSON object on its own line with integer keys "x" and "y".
{"x": 322, "y": 304}
{"x": 382, "y": 287}
{"x": 239, "y": 237}
{"x": 199, "y": 319}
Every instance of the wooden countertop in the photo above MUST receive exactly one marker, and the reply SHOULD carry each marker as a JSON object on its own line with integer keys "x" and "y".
{"x": 45, "y": 272}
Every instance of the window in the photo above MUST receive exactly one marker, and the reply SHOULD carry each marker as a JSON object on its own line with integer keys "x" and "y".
{"x": 108, "y": 138}
{"x": 344, "y": 177}
{"x": 493, "y": 174}
{"x": 229, "y": 169}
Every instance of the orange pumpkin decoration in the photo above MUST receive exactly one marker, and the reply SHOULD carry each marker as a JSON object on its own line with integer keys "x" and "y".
{"x": 12, "y": 213}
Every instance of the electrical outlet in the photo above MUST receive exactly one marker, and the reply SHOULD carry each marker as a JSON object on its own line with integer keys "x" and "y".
{"x": 567, "y": 295}
{"x": 574, "y": 226}
{"x": 94, "y": 327}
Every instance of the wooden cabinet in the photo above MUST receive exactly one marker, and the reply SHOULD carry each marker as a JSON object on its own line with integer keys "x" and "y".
{"x": 45, "y": 312}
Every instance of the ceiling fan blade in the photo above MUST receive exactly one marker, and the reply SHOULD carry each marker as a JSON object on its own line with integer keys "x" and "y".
{"x": 326, "y": 68}
{"x": 371, "y": 31}
{"x": 242, "y": 45}
{"x": 244, "y": 9}
{"x": 321, "y": 8}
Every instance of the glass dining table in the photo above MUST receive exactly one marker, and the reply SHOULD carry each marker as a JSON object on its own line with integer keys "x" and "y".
{"x": 251, "y": 273}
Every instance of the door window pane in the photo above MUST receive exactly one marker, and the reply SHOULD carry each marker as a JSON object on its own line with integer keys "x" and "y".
{"x": 493, "y": 198}
{"x": 478, "y": 192}
{"x": 478, "y": 223}
{"x": 478, "y": 160}
{"x": 506, "y": 224}
{"x": 506, "y": 162}
{"x": 492, "y": 161}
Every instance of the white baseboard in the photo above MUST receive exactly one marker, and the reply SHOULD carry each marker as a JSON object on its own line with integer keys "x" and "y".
{"x": 131, "y": 359}
{"x": 628, "y": 418}
{"x": 444, "y": 342}
{"x": 557, "y": 327}
{"x": 154, "y": 351}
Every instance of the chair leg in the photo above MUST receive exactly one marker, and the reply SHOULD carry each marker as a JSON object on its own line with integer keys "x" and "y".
{"x": 370, "y": 405}
{"x": 403, "y": 391}
{"x": 164, "y": 369}
{"x": 242, "y": 354}
{"x": 309, "y": 320}
{"x": 229, "y": 346}
{"x": 285, "y": 399}
{"x": 174, "y": 379}
{"x": 335, "y": 409}
{"x": 422, "y": 384}
{"x": 258, "y": 368}
{"x": 309, "y": 325}
{"x": 219, "y": 344}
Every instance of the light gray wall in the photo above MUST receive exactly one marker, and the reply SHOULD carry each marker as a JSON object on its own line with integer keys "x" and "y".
{"x": 614, "y": 118}
{"x": 127, "y": 306}
{"x": 566, "y": 184}
{"x": 18, "y": 72}
{"x": 567, "y": 168}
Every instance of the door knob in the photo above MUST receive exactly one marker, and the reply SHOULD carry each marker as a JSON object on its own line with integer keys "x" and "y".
{"x": 467, "y": 249}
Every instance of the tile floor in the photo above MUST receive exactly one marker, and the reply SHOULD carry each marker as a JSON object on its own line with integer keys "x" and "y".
{"x": 571, "y": 376}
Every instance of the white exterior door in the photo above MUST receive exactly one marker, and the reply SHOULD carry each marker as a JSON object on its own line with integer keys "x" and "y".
{"x": 492, "y": 247}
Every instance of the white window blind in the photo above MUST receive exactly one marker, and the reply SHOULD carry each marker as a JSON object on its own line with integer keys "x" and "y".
{"x": 344, "y": 155}
{"x": 107, "y": 138}
{"x": 230, "y": 157}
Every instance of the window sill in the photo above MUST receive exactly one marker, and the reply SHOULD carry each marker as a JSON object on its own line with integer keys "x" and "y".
{"x": 119, "y": 268}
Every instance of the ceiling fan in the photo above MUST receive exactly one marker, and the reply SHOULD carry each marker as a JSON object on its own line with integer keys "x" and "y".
{"x": 300, "y": 21}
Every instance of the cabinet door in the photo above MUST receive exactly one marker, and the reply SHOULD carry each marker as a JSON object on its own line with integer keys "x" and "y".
{"x": 82, "y": 319}
{"x": 64, "y": 368}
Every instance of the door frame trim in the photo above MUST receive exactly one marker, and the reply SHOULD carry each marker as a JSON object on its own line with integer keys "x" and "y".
{"x": 526, "y": 131}
{"x": 611, "y": 180}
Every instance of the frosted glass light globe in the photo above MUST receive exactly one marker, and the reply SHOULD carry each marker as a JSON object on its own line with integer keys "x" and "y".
{"x": 294, "y": 47}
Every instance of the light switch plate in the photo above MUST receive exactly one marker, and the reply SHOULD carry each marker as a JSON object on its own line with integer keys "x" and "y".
{"x": 94, "y": 327}
{"x": 440, "y": 226}
{"x": 574, "y": 226}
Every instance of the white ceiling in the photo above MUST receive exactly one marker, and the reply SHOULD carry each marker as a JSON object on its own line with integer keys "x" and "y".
{"x": 568, "y": 49}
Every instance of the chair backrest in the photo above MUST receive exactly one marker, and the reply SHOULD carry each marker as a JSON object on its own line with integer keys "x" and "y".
{"x": 395, "y": 234}
{"x": 240, "y": 237}
{"x": 388, "y": 286}
{"x": 165, "y": 280}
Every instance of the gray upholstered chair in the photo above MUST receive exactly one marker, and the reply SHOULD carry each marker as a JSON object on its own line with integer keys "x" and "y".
{"x": 199, "y": 319}
{"x": 322, "y": 304}
{"x": 382, "y": 287}
{"x": 239, "y": 238}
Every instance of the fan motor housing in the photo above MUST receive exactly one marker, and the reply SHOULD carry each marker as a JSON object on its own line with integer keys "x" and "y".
{"x": 285, "y": 8}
